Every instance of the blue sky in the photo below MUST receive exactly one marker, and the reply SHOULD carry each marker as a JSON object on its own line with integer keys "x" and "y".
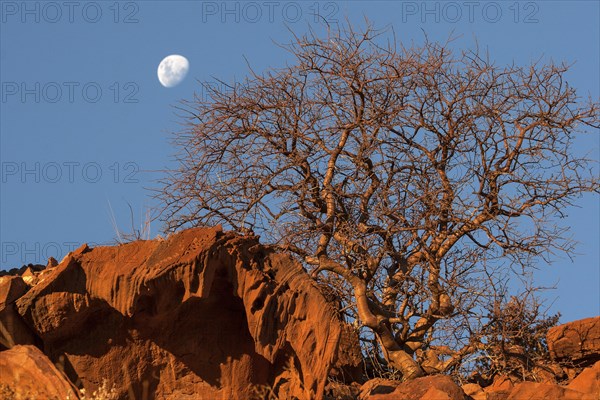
{"x": 84, "y": 122}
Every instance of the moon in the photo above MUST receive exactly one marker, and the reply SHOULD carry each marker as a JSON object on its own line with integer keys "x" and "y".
{"x": 172, "y": 70}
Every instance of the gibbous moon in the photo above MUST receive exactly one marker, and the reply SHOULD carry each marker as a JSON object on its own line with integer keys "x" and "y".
{"x": 172, "y": 70}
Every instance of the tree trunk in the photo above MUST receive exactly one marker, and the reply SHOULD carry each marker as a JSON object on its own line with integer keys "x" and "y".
{"x": 394, "y": 354}
{"x": 401, "y": 360}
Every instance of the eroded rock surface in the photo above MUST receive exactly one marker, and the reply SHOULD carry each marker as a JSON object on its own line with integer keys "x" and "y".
{"x": 212, "y": 315}
{"x": 202, "y": 315}
{"x": 588, "y": 381}
{"x": 26, "y": 373}
{"x": 545, "y": 391}
{"x": 13, "y": 330}
{"x": 426, "y": 388}
{"x": 577, "y": 341}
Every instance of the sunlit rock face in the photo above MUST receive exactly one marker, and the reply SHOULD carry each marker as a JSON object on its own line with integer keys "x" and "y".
{"x": 202, "y": 315}
{"x": 577, "y": 341}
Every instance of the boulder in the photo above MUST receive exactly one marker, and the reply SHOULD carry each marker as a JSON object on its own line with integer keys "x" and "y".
{"x": 12, "y": 328}
{"x": 500, "y": 388}
{"x": 29, "y": 276}
{"x": 545, "y": 391}
{"x": 28, "y": 374}
{"x": 474, "y": 391}
{"x": 51, "y": 262}
{"x": 202, "y": 315}
{"x": 577, "y": 342}
{"x": 584, "y": 387}
{"x": 11, "y": 288}
{"x": 377, "y": 387}
{"x": 434, "y": 393}
{"x": 588, "y": 381}
{"x": 425, "y": 388}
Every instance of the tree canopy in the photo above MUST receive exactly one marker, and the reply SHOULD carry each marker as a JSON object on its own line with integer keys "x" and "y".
{"x": 410, "y": 178}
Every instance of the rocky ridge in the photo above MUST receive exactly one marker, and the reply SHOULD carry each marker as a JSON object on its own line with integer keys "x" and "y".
{"x": 208, "y": 314}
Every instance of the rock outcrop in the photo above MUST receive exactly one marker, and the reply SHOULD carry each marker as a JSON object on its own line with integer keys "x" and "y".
{"x": 28, "y": 374}
{"x": 588, "y": 381}
{"x": 12, "y": 328}
{"x": 577, "y": 341}
{"x": 208, "y": 314}
{"x": 573, "y": 345}
{"x": 546, "y": 391}
{"x": 426, "y": 388}
{"x": 202, "y": 315}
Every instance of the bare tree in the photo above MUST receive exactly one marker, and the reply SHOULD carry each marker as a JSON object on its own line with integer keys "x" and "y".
{"x": 514, "y": 339}
{"x": 406, "y": 174}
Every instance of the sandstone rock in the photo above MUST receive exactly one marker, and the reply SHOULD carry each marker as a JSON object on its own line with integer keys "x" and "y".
{"x": 12, "y": 328}
{"x": 544, "y": 391}
{"x": 11, "y": 288}
{"x": 500, "y": 389}
{"x": 51, "y": 262}
{"x": 474, "y": 391}
{"x": 202, "y": 315}
{"x": 588, "y": 381}
{"x": 480, "y": 396}
{"x": 435, "y": 394}
{"x": 501, "y": 382}
{"x": 377, "y": 386}
{"x": 348, "y": 366}
{"x": 28, "y": 374}
{"x": 339, "y": 391}
{"x": 29, "y": 276}
{"x": 549, "y": 373}
{"x": 425, "y": 388}
{"x": 578, "y": 341}
{"x": 497, "y": 395}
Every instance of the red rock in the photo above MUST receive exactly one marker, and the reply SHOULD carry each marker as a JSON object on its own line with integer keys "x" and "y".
{"x": 500, "y": 388}
{"x": 348, "y": 366}
{"x": 577, "y": 341}
{"x": 339, "y": 391}
{"x": 51, "y": 262}
{"x": 435, "y": 394}
{"x": 425, "y": 388}
{"x": 14, "y": 330}
{"x": 28, "y": 374}
{"x": 588, "y": 381}
{"x": 201, "y": 315}
{"x": 544, "y": 391}
{"x": 378, "y": 386}
{"x": 501, "y": 382}
{"x": 11, "y": 288}
{"x": 474, "y": 391}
